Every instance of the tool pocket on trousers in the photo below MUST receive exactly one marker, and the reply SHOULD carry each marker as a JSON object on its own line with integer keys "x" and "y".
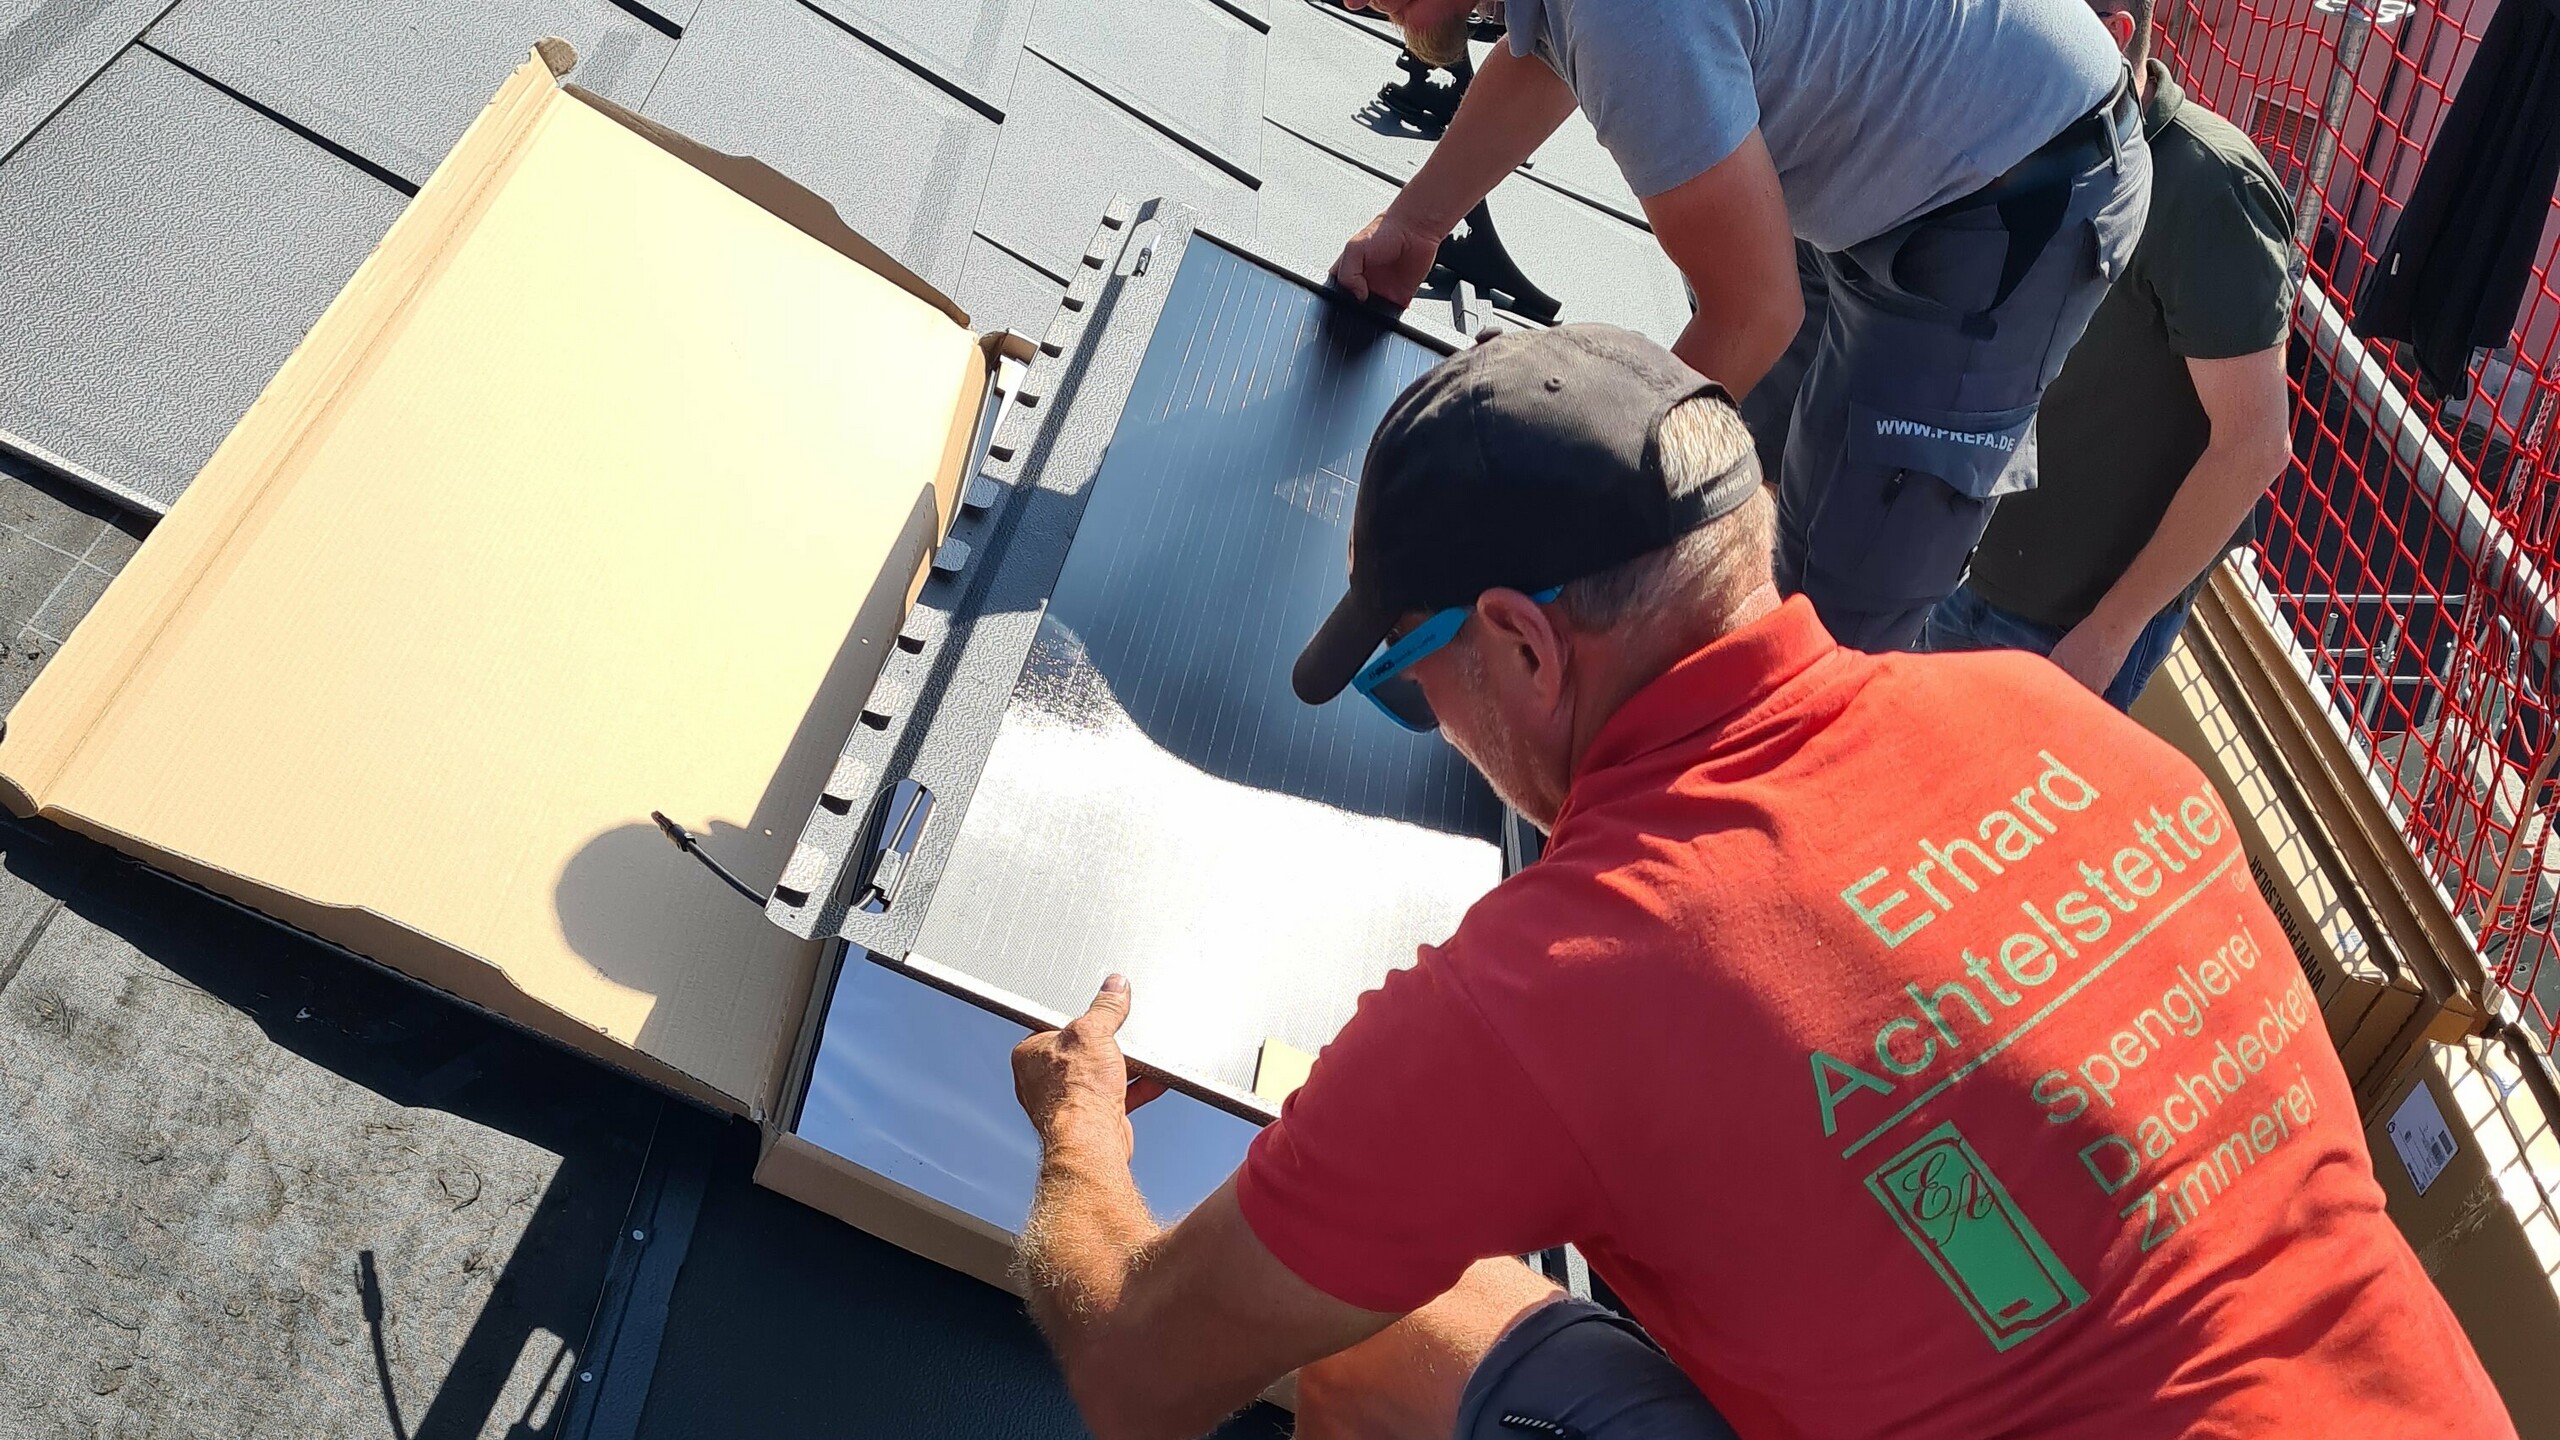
{"x": 1914, "y": 491}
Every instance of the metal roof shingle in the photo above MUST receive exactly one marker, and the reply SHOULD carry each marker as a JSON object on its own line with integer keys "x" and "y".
{"x": 398, "y": 81}
{"x": 1066, "y": 151}
{"x": 167, "y": 248}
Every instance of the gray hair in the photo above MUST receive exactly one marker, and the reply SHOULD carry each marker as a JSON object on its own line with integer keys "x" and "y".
{"x": 1712, "y": 568}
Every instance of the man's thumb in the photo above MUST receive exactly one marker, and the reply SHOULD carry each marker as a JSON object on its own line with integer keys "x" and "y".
{"x": 1352, "y": 273}
{"x": 1111, "y": 1003}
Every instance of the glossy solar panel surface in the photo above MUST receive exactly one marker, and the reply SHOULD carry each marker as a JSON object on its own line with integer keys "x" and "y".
{"x": 917, "y": 1086}
{"x": 1157, "y": 802}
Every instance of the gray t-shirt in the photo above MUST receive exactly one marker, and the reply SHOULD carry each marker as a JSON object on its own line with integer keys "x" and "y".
{"x": 1876, "y": 111}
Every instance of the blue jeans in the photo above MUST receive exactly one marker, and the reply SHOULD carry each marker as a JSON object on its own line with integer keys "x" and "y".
{"x": 1966, "y": 621}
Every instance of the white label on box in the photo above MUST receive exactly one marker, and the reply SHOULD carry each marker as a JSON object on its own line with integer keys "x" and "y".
{"x": 2425, "y": 1142}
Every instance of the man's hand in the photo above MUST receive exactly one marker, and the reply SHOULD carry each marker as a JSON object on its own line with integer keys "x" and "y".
{"x": 1389, "y": 258}
{"x": 1063, "y": 1075}
{"x": 2093, "y": 652}
{"x": 1510, "y": 108}
{"x": 2246, "y": 400}
{"x": 1159, "y": 1333}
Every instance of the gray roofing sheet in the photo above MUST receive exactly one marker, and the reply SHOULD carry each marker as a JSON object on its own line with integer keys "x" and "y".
{"x": 972, "y": 44}
{"x": 162, "y": 250}
{"x": 49, "y": 49}
{"x": 1311, "y": 199}
{"x": 1003, "y": 292}
{"x": 1067, "y": 150}
{"x": 1189, "y": 66}
{"x": 1331, "y": 71}
{"x": 1334, "y": 66}
{"x": 674, "y": 13}
{"x": 398, "y": 81}
{"x": 1600, "y": 267}
{"x": 903, "y": 160}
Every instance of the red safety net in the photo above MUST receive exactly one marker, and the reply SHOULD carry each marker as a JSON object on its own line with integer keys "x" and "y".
{"x": 2409, "y": 548}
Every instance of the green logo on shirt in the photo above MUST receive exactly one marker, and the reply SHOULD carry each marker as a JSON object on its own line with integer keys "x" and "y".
{"x": 1953, "y": 1208}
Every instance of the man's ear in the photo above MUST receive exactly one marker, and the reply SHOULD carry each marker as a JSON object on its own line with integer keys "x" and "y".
{"x": 2120, "y": 25}
{"x": 1521, "y": 644}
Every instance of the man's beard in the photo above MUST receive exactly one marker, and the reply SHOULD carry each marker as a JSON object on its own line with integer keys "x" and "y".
{"x": 1443, "y": 45}
{"x": 1506, "y": 764}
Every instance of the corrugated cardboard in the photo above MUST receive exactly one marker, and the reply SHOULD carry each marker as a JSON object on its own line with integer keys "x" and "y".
{"x": 2334, "y": 773}
{"x": 602, "y": 488}
{"x": 2470, "y": 1170}
{"x": 2372, "y": 1007}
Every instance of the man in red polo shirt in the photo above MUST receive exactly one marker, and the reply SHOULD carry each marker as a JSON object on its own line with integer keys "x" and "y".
{"x": 1901, "y": 1037}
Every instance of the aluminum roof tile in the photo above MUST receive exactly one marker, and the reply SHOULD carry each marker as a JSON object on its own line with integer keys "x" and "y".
{"x": 398, "y": 81}
{"x": 168, "y": 248}
{"x": 1066, "y": 151}
{"x": 1002, "y": 292}
{"x": 972, "y": 44}
{"x": 49, "y": 50}
{"x": 1191, "y": 67}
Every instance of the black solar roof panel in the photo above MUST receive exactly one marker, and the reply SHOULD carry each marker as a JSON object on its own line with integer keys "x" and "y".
{"x": 1157, "y": 802}
{"x": 1122, "y": 779}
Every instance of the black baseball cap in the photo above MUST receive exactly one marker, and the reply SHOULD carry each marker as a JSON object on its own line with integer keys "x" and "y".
{"x": 1526, "y": 462}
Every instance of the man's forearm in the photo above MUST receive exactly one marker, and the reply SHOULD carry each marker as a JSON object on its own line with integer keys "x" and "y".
{"x": 2218, "y": 494}
{"x": 1726, "y": 229}
{"x": 1739, "y": 349}
{"x": 1514, "y": 103}
{"x": 1087, "y": 1230}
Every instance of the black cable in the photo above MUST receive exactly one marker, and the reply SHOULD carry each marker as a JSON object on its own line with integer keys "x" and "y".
{"x": 691, "y": 845}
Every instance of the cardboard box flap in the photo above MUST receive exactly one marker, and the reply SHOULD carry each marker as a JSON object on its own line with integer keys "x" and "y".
{"x": 757, "y": 181}
{"x": 601, "y": 489}
{"x": 2373, "y": 1008}
{"x": 2285, "y": 682}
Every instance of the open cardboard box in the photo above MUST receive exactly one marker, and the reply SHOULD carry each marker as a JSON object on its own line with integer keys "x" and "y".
{"x": 602, "y": 489}
{"x": 623, "y": 479}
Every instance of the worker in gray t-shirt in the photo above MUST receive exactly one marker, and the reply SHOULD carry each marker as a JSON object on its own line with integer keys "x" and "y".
{"x": 1896, "y": 216}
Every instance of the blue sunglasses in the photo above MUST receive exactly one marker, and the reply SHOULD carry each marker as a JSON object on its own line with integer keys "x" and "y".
{"x": 1397, "y": 694}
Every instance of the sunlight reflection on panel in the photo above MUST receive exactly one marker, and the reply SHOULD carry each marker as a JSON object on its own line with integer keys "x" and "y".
{"x": 1252, "y": 913}
{"x": 917, "y": 1086}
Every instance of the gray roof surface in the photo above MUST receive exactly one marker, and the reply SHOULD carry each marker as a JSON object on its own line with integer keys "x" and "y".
{"x": 184, "y": 186}
{"x": 250, "y": 1187}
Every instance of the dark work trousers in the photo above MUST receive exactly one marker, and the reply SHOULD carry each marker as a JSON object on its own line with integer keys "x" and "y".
{"x": 1906, "y": 405}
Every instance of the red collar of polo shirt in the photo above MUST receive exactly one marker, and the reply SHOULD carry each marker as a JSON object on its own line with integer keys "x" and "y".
{"x": 1706, "y": 691}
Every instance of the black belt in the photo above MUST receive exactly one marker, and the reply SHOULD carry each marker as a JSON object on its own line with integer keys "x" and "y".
{"x": 2062, "y": 159}
{"x": 2034, "y": 194}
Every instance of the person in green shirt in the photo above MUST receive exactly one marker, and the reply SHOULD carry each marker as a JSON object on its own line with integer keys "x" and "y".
{"x": 2168, "y": 422}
